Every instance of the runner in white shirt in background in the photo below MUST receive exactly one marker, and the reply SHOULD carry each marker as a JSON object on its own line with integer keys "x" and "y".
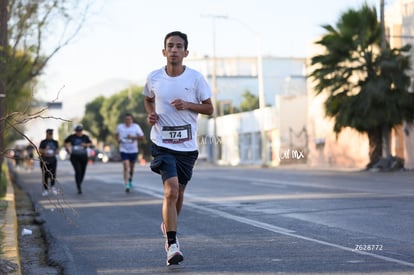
{"x": 127, "y": 134}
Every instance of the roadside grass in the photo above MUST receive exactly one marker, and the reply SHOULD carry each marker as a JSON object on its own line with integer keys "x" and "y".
{"x": 3, "y": 182}
{"x": 3, "y": 190}
{"x": 3, "y": 203}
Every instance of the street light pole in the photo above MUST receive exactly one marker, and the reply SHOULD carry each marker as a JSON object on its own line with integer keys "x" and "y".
{"x": 214, "y": 84}
{"x": 382, "y": 22}
{"x": 386, "y": 150}
{"x": 262, "y": 102}
{"x": 260, "y": 80}
{"x": 261, "y": 94}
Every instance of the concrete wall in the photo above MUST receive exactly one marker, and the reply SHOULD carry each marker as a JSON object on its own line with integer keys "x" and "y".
{"x": 409, "y": 146}
{"x": 269, "y": 136}
{"x": 347, "y": 150}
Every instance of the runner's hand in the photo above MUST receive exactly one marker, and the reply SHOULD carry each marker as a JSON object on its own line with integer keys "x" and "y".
{"x": 152, "y": 118}
{"x": 179, "y": 104}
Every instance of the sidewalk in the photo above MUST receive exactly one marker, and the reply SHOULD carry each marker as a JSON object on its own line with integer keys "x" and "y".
{"x": 10, "y": 258}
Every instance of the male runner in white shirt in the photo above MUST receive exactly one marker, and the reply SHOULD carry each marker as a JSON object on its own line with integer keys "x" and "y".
{"x": 175, "y": 95}
{"x": 127, "y": 134}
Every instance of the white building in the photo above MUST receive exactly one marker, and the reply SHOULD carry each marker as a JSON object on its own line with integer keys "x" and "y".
{"x": 268, "y": 136}
{"x": 399, "y": 22}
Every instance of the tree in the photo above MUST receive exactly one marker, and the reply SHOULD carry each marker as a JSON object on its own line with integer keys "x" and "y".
{"x": 19, "y": 100}
{"x": 32, "y": 23}
{"x": 111, "y": 112}
{"x": 367, "y": 87}
{"x": 94, "y": 121}
{"x": 25, "y": 26}
{"x": 4, "y": 14}
{"x": 250, "y": 102}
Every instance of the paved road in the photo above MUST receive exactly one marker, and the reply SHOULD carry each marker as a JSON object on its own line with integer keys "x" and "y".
{"x": 234, "y": 221}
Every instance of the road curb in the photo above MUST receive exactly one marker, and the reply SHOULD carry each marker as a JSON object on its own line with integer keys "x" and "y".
{"x": 10, "y": 243}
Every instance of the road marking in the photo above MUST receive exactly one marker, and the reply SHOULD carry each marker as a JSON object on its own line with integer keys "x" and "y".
{"x": 266, "y": 184}
{"x": 262, "y": 225}
{"x": 272, "y": 228}
{"x": 285, "y": 183}
{"x": 158, "y": 194}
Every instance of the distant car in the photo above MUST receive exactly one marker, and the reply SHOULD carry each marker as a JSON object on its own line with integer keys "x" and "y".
{"x": 63, "y": 155}
{"x": 114, "y": 156}
{"x": 102, "y": 156}
{"x": 92, "y": 153}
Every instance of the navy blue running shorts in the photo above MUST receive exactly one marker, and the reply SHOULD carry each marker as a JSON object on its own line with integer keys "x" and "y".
{"x": 132, "y": 157}
{"x": 170, "y": 163}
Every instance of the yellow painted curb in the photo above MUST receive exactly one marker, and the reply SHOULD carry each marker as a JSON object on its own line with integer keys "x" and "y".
{"x": 11, "y": 244}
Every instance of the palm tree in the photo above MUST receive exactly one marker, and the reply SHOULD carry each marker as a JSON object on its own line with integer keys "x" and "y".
{"x": 367, "y": 86}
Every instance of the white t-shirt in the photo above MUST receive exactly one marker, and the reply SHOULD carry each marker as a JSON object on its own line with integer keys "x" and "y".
{"x": 176, "y": 129}
{"x": 128, "y": 145}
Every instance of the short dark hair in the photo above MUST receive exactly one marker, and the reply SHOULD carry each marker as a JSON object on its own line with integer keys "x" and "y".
{"x": 128, "y": 114}
{"x": 177, "y": 33}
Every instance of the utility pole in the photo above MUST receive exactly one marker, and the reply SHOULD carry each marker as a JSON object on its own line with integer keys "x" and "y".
{"x": 261, "y": 94}
{"x": 382, "y": 22}
{"x": 386, "y": 150}
{"x": 214, "y": 85}
{"x": 4, "y": 15}
{"x": 260, "y": 80}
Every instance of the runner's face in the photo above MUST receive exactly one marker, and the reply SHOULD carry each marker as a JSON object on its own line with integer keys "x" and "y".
{"x": 174, "y": 50}
{"x": 128, "y": 120}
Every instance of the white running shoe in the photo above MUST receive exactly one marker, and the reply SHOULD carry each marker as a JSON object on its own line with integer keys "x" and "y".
{"x": 174, "y": 255}
{"x": 164, "y": 233}
{"x": 54, "y": 190}
{"x": 45, "y": 193}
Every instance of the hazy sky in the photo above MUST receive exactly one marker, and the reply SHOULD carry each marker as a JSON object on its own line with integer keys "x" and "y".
{"x": 124, "y": 38}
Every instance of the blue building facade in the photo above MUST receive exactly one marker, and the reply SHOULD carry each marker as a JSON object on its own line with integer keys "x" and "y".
{"x": 235, "y": 75}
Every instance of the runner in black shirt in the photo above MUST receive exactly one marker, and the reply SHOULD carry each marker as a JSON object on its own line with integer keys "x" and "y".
{"x": 48, "y": 149}
{"x": 76, "y": 145}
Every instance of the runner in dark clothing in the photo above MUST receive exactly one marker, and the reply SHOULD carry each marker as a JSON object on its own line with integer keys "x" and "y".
{"x": 30, "y": 155}
{"x": 48, "y": 162}
{"x": 76, "y": 145}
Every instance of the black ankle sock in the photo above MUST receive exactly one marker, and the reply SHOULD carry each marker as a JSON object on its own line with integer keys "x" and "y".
{"x": 171, "y": 236}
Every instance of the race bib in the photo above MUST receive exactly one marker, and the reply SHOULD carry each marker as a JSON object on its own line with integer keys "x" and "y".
{"x": 78, "y": 149}
{"x": 127, "y": 140}
{"x": 176, "y": 134}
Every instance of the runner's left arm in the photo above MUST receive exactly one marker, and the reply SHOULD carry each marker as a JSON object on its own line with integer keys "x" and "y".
{"x": 205, "y": 107}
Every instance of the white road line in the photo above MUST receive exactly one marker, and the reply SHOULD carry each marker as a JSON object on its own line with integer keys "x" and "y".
{"x": 284, "y": 183}
{"x": 280, "y": 230}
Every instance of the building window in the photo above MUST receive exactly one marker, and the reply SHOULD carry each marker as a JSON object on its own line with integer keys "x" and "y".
{"x": 245, "y": 147}
{"x": 256, "y": 146}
